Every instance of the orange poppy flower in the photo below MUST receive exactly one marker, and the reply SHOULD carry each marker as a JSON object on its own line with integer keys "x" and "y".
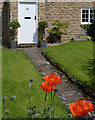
{"x": 81, "y": 107}
{"x": 46, "y": 87}
{"x": 53, "y": 79}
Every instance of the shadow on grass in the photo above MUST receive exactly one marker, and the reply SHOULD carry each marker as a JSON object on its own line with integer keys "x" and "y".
{"x": 90, "y": 67}
{"x": 91, "y": 72}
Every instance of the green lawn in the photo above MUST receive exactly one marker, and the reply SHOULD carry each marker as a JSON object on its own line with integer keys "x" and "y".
{"x": 76, "y": 58}
{"x": 17, "y": 69}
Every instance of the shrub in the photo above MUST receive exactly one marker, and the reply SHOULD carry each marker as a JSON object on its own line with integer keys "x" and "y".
{"x": 14, "y": 24}
{"x": 90, "y": 30}
{"x": 72, "y": 39}
{"x": 85, "y": 27}
{"x": 57, "y": 30}
{"x": 43, "y": 24}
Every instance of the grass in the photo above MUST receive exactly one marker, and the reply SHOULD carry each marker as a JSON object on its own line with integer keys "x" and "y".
{"x": 17, "y": 69}
{"x": 76, "y": 58}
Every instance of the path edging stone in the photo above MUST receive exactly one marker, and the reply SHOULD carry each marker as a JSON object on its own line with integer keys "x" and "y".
{"x": 83, "y": 87}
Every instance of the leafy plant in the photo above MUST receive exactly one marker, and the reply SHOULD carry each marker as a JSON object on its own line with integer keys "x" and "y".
{"x": 49, "y": 88}
{"x": 14, "y": 25}
{"x": 72, "y": 39}
{"x": 90, "y": 30}
{"x": 42, "y": 25}
{"x": 59, "y": 29}
{"x": 5, "y": 110}
{"x": 80, "y": 37}
{"x": 85, "y": 27}
{"x": 89, "y": 38}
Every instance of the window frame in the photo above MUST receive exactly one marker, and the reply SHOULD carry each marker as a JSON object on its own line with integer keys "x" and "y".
{"x": 88, "y": 15}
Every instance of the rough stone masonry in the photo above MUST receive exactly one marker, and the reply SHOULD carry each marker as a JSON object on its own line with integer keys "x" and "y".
{"x": 69, "y": 12}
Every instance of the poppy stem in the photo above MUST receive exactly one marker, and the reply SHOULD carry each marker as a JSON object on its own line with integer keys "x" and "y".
{"x": 4, "y": 111}
{"x": 51, "y": 95}
{"x": 54, "y": 95}
{"x": 45, "y": 101}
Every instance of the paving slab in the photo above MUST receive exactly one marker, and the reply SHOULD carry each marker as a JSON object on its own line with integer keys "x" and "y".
{"x": 68, "y": 92}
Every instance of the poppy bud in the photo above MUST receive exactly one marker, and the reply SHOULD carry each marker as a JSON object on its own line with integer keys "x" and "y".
{"x": 55, "y": 89}
{"x": 12, "y": 97}
{"x": 31, "y": 79}
{"x": 7, "y": 112}
{"x": 29, "y": 112}
{"x": 4, "y": 98}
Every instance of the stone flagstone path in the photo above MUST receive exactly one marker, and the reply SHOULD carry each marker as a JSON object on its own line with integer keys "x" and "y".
{"x": 67, "y": 91}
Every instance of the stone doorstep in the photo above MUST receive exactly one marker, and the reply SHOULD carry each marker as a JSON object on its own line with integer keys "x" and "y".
{"x": 83, "y": 87}
{"x": 35, "y": 45}
{"x": 27, "y": 45}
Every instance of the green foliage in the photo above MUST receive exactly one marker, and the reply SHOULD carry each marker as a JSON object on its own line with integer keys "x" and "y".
{"x": 14, "y": 24}
{"x": 85, "y": 27}
{"x": 59, "y": 29}
{"x": 81, "y": 37}
{"x": 48, "y": 112}
{"x": 90, "y": 30}
{"x": 41, "y": 27}
{"x": 72, "y": 39}
{"x": 43, "y": 24}
{"x": 89, "y": 38}
{"x": 55, "y": 31}
{"x": 5, "y": 111}
{"x": 60, "y": 25}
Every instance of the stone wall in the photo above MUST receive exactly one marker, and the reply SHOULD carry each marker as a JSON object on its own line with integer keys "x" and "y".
{"x": 1, "y": 5}
{"x": 69, "y": 12}
{"x": 8, "y": 12}
{"x": 13, "y": 15}
{"x": 5, "y": 21}
{"x": 13, "y": 11}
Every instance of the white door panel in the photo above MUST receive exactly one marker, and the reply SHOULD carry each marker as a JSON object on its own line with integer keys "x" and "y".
{"x": 27, "y": 33}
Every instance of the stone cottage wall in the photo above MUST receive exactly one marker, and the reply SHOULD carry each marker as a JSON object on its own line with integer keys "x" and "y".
{"x": 1, "y": 5}
{"x": 13, "y": 11}
{"x": 5, "y": 21}
{"x": 8, "y": 12}
{"x": 69, "y": 12}
{"x": 13, "y": 14}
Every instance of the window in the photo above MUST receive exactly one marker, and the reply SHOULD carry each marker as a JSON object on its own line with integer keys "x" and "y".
{"x": 87, "y": 16}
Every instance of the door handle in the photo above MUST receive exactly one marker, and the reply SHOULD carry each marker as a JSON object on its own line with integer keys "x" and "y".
{"x": 35, "y": 17}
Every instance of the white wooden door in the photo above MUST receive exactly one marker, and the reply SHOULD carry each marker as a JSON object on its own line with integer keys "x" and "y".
{"x": 27, "y": 17}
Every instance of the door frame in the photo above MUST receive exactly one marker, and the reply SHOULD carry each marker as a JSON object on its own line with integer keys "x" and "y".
{"x": 36, "y": 2}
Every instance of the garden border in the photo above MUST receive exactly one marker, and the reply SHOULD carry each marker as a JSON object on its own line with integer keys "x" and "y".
{"x": 83, "y": 87}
